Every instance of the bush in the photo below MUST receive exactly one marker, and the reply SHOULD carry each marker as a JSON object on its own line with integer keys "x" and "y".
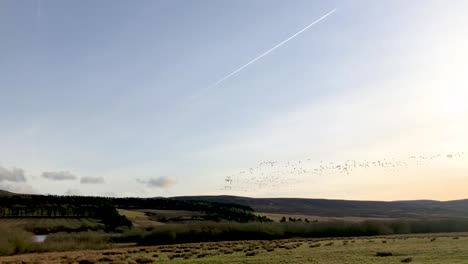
{"x": 383, "y": 254}
{"x": 14, "y": 241}
{"x": 159, "y": 237}
{"x": 212, "y": 232}
{"x": 73, "y": 241}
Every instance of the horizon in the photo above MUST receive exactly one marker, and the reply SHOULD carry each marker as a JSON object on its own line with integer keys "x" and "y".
{"x": 331, "y": 99}
{"x": 237, "y": 196}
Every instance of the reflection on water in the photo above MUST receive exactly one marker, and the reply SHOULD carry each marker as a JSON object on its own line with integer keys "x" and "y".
{"x": 39, "y": 238}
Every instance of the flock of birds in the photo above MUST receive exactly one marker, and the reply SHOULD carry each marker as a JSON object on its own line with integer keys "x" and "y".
{"x": 274, "y": 174}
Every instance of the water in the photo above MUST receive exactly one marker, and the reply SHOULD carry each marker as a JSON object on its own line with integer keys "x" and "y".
{"x": 39, "y": 238}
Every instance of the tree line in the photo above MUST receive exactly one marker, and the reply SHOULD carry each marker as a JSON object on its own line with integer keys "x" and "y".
{"x": 104, "y": 208}
{"x": 55, "y": 206}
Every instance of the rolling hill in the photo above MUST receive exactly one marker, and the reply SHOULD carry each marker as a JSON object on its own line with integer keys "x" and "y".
{"x": 415, "y": 209}
{"x": 346, "y": 208}
{"x": 6, "y": 193}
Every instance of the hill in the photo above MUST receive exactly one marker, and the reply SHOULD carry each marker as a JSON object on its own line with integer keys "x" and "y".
{"x": 6, "y": 193}
{"x": 346, "y": 208}
{"x": 105, "y": 208}
{"x": 416, "y": 209}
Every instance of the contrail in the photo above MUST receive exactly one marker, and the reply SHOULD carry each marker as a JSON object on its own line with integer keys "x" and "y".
{"x": 267, "y": 52}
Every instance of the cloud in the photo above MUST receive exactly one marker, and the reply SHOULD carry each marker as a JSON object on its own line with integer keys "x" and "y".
{"x": 92, "y": 180}
{"x": 58, "y": 175}
{"x": 74, "y": 192}
{"x": 161, "y": 182}
{"x": 13, "y": 175}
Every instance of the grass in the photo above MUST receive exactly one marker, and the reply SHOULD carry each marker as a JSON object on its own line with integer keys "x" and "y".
{"x": 73, "y": 241}
{"x": 277, "y": 217}
{"x": 131, "y": 214}
{"x": 139, "y": 218}
{"x": 403, "y": 249}
{"x": 14, "y": 241}
{"x": 152, "y": 217}
{"x": 171, "y": 213}
{"x": 17, "y": 241}
{"x": 224, "y": 231}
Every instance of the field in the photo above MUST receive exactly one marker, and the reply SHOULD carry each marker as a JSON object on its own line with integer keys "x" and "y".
{"x": 140, "y": 218}
{"x": 152, "y": 217}
{"x": 433, "y": 248}
{"x": 277, "y": 217}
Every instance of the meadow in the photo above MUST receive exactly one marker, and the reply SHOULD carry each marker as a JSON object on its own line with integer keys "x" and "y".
{"x": 423, "y": 248}
{"x": 92, "y": 230}
{"x": 17, "y": 234}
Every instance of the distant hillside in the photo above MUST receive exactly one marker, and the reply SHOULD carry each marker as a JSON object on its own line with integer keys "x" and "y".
{"x": 6, "y": 193}
{"x": 104, "y": 208}
{"x": 313, "y": 207}
{"x": 342, "y": 208}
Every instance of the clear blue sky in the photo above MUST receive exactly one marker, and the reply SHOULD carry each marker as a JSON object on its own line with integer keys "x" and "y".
{"x": 116, "y": 92}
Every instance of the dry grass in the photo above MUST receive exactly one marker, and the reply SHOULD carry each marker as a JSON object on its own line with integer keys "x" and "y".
{"x": 139, "y": 218}
{"x": 17, "y": 241}
{"x": 277, "y": 217}
{"x": 14, "y": 241}
{"x": 403, "y": 249}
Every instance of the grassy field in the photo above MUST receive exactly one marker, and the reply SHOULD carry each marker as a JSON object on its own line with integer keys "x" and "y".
{"x": 277, "y": 217}
{"x": 170, "y": 214}
{"x": 152, "y": 217}
{"x": 139, "y": 219}
{"x": 434, "y": 248}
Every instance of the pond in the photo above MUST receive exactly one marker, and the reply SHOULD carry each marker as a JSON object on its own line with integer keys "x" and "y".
{"x": 39, "y": 238}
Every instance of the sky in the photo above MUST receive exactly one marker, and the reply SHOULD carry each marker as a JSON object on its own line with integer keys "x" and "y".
{"x": 151, "y": 98}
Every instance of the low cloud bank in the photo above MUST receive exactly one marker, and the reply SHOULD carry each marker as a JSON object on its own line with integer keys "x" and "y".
{"x": 92, "y": 180}
{"x": 58, "y": 176}
{"x": 161, "y": 182}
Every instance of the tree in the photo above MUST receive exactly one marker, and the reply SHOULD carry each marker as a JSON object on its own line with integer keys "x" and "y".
{"x": 283, "y": 220}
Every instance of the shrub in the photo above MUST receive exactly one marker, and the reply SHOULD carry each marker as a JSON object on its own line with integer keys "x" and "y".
{"x": 14, "y": 241}
{"x": 383, "y": 254}
{"x": 85, "y": 261}
{"x": 214, "y": 232}
{"x": 143, "y": 260}
{"x": 407, "y": 260}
